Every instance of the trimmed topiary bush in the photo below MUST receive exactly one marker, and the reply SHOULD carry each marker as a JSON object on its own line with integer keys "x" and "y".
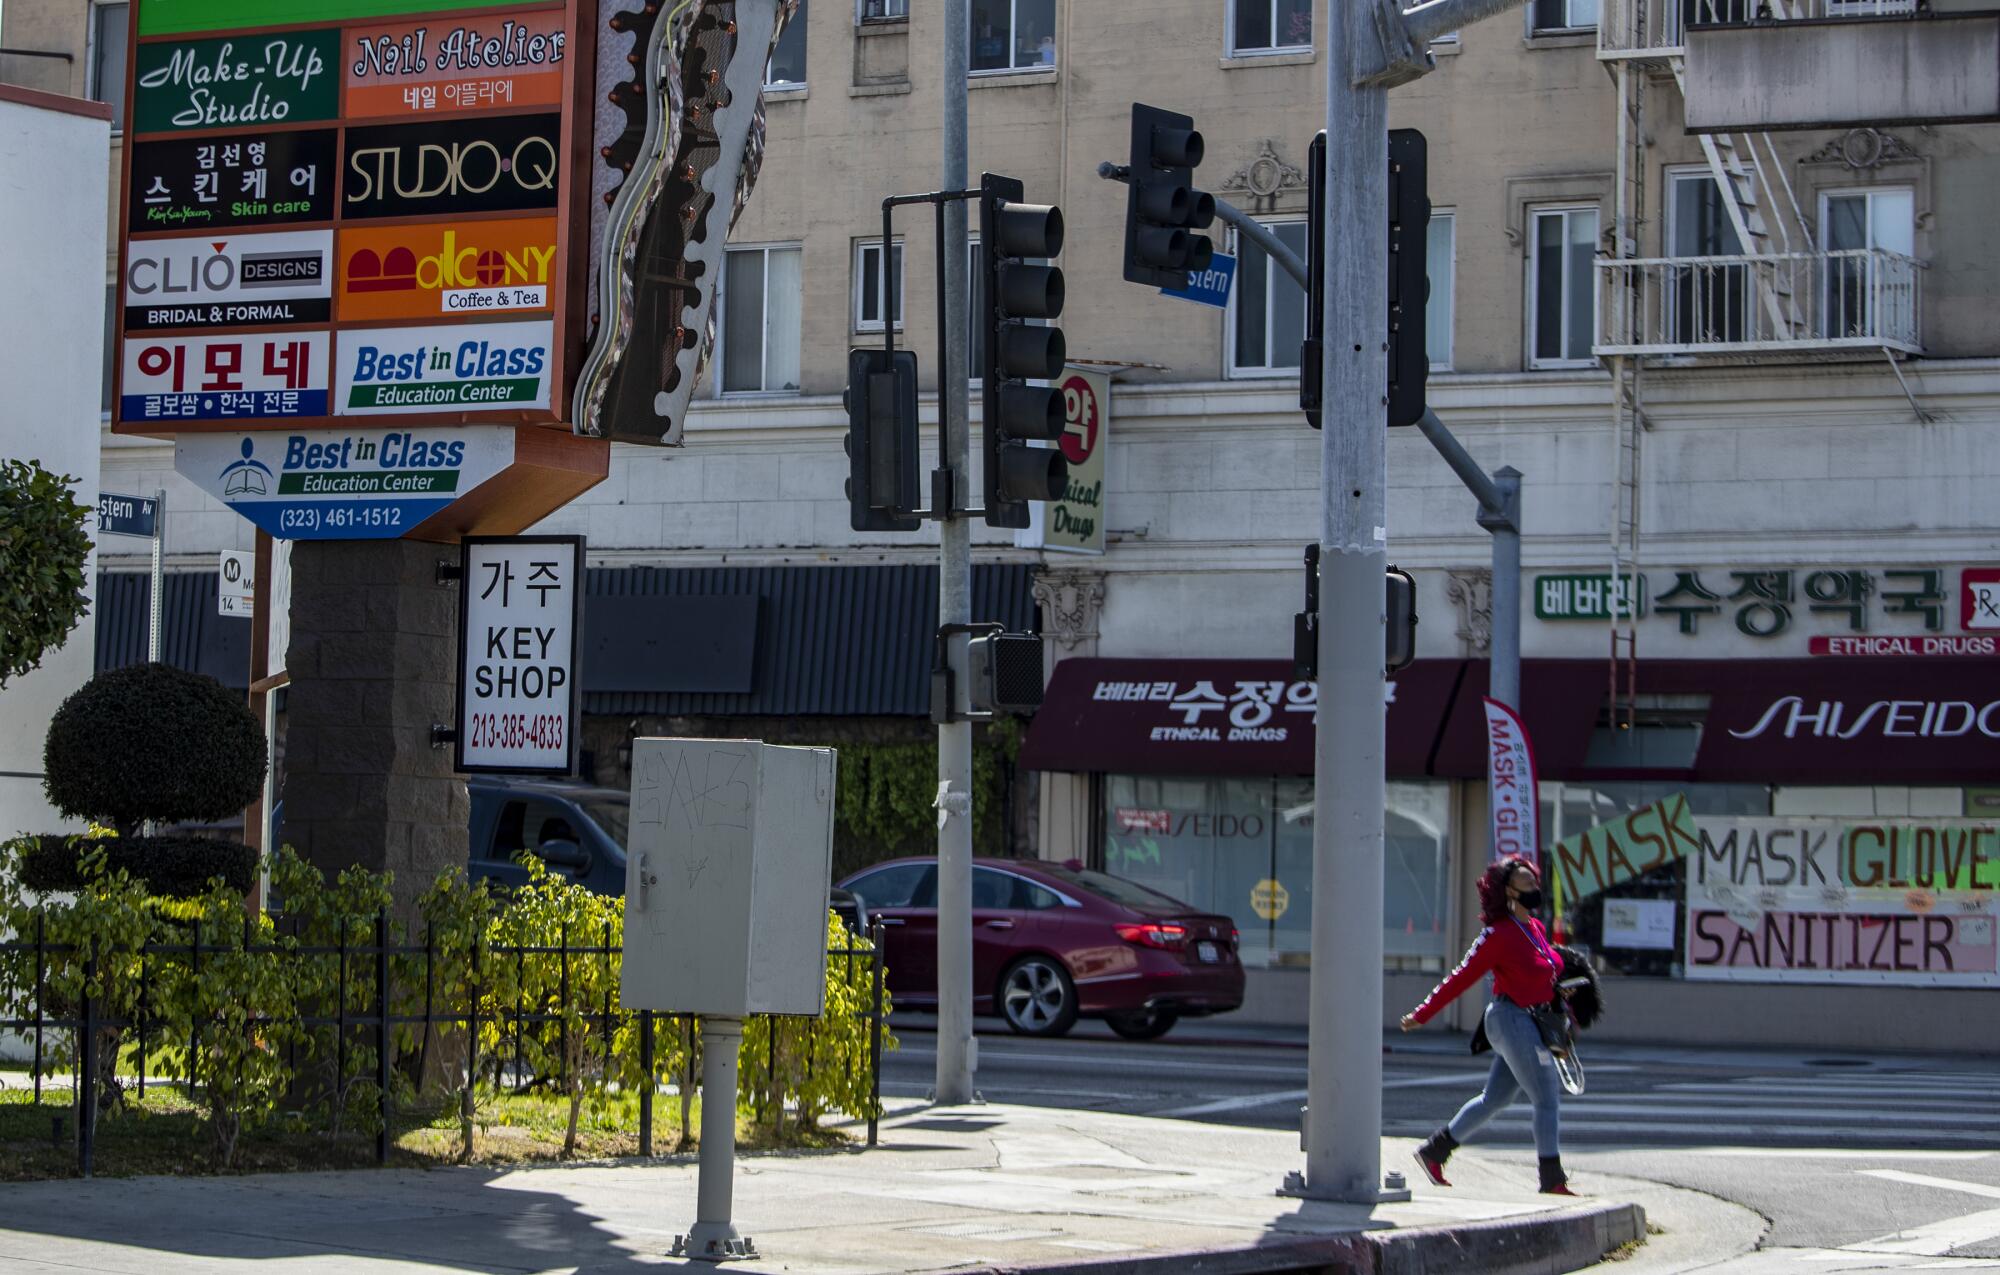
{"x": 43, "y": 547}
{"x": 169, "y": 867}
{"x": 152, "y": 742}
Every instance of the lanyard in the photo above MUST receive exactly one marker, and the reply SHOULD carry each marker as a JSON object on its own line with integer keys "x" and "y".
{"x": 1541, "y": 946}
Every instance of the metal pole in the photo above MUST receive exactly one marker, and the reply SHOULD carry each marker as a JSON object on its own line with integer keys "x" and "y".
{"x": 714, "y": 1237}
{"x": 1273, "y": 247}
{"x": 157, "y": 609}
{"x": 1504, "y": 681}
{"x": 1343, "y": 1128}
{"x": 954, "y": 880}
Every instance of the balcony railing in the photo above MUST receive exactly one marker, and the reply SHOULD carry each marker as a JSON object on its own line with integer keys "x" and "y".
{"x": 1798, "y": 303}
{"x": 1658, "y": 28}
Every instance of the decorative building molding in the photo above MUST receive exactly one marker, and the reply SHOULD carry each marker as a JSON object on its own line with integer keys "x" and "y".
{"x": 1471, "y": 591}
{"x": 1862, "y": 149}
{"x": 1071, "y": 602}
{"x": 1267, "y": 176}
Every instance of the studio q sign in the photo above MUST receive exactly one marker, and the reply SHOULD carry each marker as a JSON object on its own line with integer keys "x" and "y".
{"x": 482, "y": 164}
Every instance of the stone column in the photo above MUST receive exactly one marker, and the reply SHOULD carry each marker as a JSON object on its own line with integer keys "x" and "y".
{"x": 373, "y": 663}
{"x": 1071, "y": 602}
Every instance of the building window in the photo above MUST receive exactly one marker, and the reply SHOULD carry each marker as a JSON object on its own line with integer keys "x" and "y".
{"x": 1270, "y": 26}
{"x": 1562, "y": 287}
{"x": 107, "y": 59}
{"x": 881, "y": 10}
{"x": 1864, "y": 294}
{"x": 868, "y": 286}
{"x": 788, "y": 60}
{"x": 1565, "y": 15}
{"x": 1440, "y": 243}
{"x": 1013, "y": 35}
{"x": 1707, "y": 302}
{"x": 760, "y": 321}
{"x": 1267, "y": 318}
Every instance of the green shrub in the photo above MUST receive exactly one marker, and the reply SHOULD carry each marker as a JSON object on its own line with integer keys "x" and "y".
{"x": 43, "y": 548}
{"x": 151, "y": 742}
{"x": 170, "y": 867}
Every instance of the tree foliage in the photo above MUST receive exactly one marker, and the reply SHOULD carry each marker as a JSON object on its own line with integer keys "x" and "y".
{"x": 43, "y": 549}
{"x": 151, "y": 742}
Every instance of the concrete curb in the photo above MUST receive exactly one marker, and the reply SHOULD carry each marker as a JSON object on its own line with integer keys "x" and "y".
{"x": 1543, "y": 1244}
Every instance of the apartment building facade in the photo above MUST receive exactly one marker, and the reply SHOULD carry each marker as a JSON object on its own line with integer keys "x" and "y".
{"x": 1751, "y": 381}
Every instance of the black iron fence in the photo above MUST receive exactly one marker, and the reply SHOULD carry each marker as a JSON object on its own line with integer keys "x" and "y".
{"x": 373, "y": 964}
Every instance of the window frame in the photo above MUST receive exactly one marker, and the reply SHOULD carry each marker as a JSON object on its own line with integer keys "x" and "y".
{"x": 1868, "y": 195}
{"x": 1240, "y": 246}
{"x": 1232, "y": 49}
{"x": 1570, "y": 26}
{"x": 798, "y": 21}
{"x": 1531, "y": 311}
{"x": 1450, "y": 277}
{"x": 1013, "y": 24}
{"x": 1830, "y": 278}
{"x": 863, "y": 248}
{"x": 863, "y": 18}
{"x": 93, "y": 87}
{"x": 722, "y": 323}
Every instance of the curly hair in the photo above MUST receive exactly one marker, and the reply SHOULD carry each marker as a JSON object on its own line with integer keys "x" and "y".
{"x": 1493, "y": 888}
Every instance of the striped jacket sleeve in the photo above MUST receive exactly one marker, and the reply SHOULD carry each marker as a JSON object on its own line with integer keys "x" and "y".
{"x": 1473, "y": 966}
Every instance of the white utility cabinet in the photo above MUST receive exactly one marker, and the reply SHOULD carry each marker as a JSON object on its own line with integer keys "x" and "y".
{"x": 726, "y": 874}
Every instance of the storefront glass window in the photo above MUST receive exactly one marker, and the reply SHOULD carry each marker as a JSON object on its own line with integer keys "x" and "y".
{"x": 1243, "y": 847}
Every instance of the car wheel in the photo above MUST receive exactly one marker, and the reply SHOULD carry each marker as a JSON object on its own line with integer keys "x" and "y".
{"x": 1037, "y": 997}
{"x": 1143, "y": 1024}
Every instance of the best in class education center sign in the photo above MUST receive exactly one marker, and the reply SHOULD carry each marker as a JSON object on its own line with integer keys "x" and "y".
{"x": 342, "y": 209}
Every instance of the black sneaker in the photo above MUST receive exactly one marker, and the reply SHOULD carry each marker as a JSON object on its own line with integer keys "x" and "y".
{"x": 1433, "y": 1169}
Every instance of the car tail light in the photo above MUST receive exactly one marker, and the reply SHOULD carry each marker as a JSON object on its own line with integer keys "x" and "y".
{"x": 1153, "y": 934}
{"x": 1235, "y": 937}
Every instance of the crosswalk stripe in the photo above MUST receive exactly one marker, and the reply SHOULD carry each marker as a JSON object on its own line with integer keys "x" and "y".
{"x": 1513, "y": 1123}
{"x": 1937, "y": 1238}
{"x": 1586, "y": 1107}
{"x": 1916, "y": 1103}
{"x": 1824, "y": 1093}
{"x": 1942, "y": 1184}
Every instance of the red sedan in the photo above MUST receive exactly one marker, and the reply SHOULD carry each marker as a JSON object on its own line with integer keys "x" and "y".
{"x": 1053, "y": 942}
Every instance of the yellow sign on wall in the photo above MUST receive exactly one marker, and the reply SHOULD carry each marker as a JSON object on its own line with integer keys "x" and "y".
{"x": 1269, "y": 899}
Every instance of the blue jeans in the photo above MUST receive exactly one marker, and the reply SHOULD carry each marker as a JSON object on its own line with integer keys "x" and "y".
{"x": 1520, "y": 1061}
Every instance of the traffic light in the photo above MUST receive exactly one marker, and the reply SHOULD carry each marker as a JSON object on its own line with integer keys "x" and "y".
{"x": 1161, "y": 204}
{"x": 1312, "y": 351}
{"x": 1409, "y": 276}
{"x": 1399, "y": 627}
{"x": 1016, "y": 351}
{"x": 881, "y": 401}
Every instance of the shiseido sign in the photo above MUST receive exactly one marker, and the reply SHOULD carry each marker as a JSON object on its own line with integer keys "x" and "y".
{"x": 492, "y": 164}
{"x": 1792, "y": 716}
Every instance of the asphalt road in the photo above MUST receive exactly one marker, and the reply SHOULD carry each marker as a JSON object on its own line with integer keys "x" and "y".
{"x": 1857, "y": 1162}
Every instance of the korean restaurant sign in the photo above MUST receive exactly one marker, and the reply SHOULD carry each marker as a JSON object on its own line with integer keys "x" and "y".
{"x": 351, "y": 208}
{"x": 173, "y": 17}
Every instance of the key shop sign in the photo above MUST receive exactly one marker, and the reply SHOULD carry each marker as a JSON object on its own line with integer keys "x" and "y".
{"x": 346, "y": 208}
{"x": 520, "y": 609}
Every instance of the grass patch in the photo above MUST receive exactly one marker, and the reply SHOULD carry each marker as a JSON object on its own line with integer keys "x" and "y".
{"x": 168, "y": 1133}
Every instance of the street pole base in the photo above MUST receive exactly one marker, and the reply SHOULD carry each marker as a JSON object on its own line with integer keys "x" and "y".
{"x": 713, "y": 1242}
{"x": 1296, "y": 1188}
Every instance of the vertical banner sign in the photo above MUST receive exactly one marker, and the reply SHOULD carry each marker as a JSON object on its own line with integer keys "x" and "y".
{"x": 520, "y": 609}
{"x": 1075, "y": 524}
{"x": 1510, "y": 785}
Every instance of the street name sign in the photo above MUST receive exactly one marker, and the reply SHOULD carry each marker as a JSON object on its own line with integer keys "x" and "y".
{"x": 1210, "y": 286}
{"x": 520, "y": 610}
{"x": 121, "y": 515}
{"x": 236, "y": 585}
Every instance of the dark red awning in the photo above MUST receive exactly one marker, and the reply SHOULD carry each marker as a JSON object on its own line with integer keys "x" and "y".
{"x": 1214, "y": 717}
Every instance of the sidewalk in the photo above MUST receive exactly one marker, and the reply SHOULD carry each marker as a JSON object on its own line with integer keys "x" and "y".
{"x": 969, "y": 1189}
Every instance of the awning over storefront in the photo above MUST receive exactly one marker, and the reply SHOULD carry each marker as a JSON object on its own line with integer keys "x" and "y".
{"x": 1823, "y": 721}
{"x": 1214, "y": 717}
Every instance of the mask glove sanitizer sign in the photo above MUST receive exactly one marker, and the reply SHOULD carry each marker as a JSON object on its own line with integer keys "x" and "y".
{"x": 520, "y": 612}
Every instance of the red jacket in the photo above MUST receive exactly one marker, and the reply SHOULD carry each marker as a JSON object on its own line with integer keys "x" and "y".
{"x": 1524, "y": 968}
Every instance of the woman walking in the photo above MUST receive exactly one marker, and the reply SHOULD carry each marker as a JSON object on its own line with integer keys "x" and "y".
{"x": 1525, "y": 968}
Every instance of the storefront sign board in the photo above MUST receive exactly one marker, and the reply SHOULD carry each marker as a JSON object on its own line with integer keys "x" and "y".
{"x": 1642, "y": 924}
{"x": 1511, "y": 790}
{"x": 236, "y": 583}
{"x": 367, "y": 484}
{"x": 456, "y": 64}
{"x": 1587, "y": 596}
{"x": 385, "y": 371}
{"x": 1905, "y": 647}
{"x": 447, "y": 270}
{"x": 1802, "y": 936}
{"x": 1979, "y": 599}
{"x": 443, "y": 168}
{"x": 520, "y": 611}
{"x": 1940, "y": 855}
{"x": 175, "y": 17}
{"x": 1075, "y": 524}
{"x": 237, "y": 81}
{"x": 224, "y": 378}
{"x": 1598, "y": 858}
{"x": 236, "y": 179}
{"x": 229, "y": 280}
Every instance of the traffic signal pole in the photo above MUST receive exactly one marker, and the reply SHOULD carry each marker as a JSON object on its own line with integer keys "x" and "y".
{"x": 956, "y": 1059}
{"x": 1343, "y": 1128}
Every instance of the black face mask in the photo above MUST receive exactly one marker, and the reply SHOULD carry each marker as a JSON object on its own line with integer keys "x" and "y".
{"x": 1530, "y": 899}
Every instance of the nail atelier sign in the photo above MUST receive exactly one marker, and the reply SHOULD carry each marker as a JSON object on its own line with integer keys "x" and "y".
{"x": 495, "y": 164}
{"x": 237, "y": 82}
